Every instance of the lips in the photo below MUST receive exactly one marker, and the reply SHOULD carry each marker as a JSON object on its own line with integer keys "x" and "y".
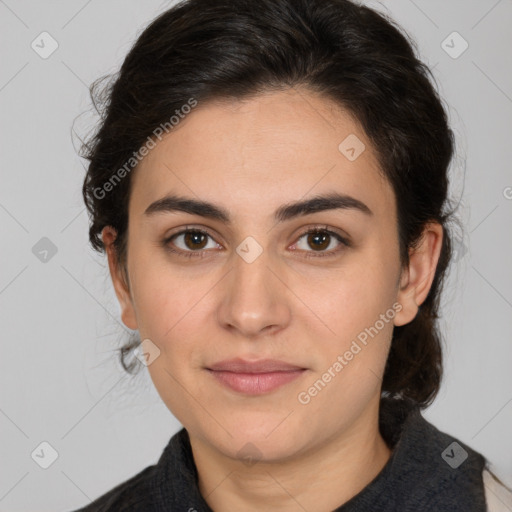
{"x": 262, "y": 366}
{"x": 254, "y": 377}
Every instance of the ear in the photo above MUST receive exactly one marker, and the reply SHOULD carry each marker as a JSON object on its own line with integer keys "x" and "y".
{"x": 416, "y": 280}
{"x": 121, "y": 287}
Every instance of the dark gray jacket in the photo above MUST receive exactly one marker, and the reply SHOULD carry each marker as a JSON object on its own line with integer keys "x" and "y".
{"x": 429, "y": 471}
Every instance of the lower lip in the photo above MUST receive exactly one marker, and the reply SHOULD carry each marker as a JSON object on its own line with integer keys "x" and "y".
{"x": 255, "y": 383}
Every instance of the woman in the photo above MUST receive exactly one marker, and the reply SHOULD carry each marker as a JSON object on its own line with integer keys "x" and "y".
{"x": 269, "y": 183}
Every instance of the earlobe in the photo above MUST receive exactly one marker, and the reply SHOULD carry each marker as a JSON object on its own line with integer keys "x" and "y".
{"x": 416, "y": 280}
{"x": 118, "y": 279}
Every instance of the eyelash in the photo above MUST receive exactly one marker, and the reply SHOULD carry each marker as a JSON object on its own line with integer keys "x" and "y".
{"x": 309, "y": 254}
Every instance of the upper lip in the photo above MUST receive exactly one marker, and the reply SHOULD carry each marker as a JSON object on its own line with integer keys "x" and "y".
{"x": 239, "y": 365}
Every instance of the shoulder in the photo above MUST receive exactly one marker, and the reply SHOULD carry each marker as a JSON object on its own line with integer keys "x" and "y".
{"x": 432, "y": 470}
{"x": 170, "y": 484}
{"x": 132, "y": 494}
{"x": 497, "y": 495}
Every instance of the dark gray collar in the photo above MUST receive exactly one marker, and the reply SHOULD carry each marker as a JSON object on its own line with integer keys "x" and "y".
{"x": 429, "y": 471}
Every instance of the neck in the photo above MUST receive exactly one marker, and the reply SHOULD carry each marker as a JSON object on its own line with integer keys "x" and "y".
{"x": 321, "y": 479}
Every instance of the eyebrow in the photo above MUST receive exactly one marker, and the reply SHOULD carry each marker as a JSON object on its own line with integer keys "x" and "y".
{"x": 334, "y": 201}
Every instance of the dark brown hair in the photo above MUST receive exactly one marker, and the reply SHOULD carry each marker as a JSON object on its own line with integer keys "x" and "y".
{"x": 222, "y": 49}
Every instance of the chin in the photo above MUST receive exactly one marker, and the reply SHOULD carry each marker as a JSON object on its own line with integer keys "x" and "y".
{"x": 260, "y": 442}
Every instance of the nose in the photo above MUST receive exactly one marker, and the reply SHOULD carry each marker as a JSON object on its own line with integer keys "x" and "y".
{"x": 254, "y": 300}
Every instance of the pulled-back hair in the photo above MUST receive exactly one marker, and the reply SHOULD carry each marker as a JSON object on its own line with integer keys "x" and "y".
{"x": 221, "y": 49}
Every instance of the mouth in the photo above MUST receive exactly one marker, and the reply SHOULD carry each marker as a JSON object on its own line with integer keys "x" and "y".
{"x": 256, "y": 377}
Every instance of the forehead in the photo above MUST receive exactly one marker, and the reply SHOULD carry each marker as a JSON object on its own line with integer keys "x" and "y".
{"x": 265, "y": 150}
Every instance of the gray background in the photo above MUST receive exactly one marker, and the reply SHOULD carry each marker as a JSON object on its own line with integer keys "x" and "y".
{"x": 59, "y": 377}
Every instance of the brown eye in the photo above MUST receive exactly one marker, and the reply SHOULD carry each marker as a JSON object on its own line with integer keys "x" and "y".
{"x": 318, "y": 241}
{"x": 195, "y": 240}
{"x": 321, "y": 241}
{"x": 190, "y": 242}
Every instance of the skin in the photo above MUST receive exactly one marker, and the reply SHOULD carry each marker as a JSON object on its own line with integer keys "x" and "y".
{"x": 251, "y": 157}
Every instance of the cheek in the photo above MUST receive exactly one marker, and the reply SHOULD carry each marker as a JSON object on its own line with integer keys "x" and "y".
{"x": 358, "y": 308}
{"x": 163, "y": 295}
{"x": 352, "y": 362}
{"x": 363, "y": 330}
{"x": 350, "y": 300}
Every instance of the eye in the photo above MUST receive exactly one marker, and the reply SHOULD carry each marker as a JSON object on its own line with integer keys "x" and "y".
{"x": 320, "y": 239}
{"x": 191, "y": 242}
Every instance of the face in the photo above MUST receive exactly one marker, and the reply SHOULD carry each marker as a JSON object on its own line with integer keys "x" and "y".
{"x": 250, "y": 283}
